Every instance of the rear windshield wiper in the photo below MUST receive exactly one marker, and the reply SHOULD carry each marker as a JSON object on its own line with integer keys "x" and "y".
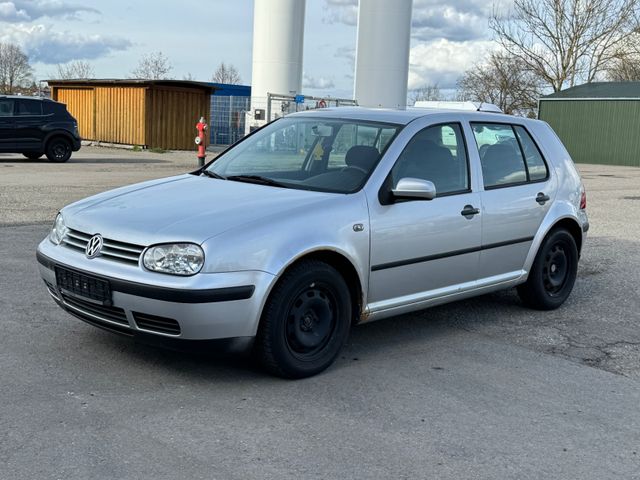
{"x": 257, "y": 179}
{"x": 211, "y": 174}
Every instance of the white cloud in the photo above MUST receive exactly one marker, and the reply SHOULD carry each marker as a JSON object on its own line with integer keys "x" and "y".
{"x": 442, "y": 61}
{"x": 10, "y": 13}
{"x": 29, "y": 10}
{"x": 341, "y": 11}
{"x": 317, "y": 83}
{"x": 43, "y": 44}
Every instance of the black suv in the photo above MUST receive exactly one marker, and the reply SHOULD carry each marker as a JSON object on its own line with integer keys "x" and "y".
{"x": 37, "y": 126}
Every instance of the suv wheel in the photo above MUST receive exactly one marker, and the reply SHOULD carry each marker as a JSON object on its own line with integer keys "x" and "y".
{"x": 553, "y": 272}
{"x": 33, "y": 155}
{"x": 58, "y": 150}
{"x": 305, "y": 322}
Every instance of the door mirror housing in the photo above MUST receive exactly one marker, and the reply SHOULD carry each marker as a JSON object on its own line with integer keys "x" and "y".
{"x": 414, "y": 188}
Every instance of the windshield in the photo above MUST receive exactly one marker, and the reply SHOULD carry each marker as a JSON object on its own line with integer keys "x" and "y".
{"x": 330, "y": 155}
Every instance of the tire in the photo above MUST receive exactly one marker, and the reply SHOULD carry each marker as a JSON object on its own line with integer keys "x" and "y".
{"x": 305, "y": 322}
{"x": 553, "y": 272}
{"x": 58, "y": 150}
{"x": 33, "y": 155}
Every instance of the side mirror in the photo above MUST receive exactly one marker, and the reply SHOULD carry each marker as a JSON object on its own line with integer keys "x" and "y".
{"x": 414, "y": 188}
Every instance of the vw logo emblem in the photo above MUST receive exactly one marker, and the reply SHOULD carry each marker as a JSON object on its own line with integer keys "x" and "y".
{"x": 94, "y": 246}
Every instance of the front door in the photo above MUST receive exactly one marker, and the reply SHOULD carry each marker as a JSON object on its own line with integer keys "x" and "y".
{"x": 420, "y": 248}
{"x": 518, "y": 192}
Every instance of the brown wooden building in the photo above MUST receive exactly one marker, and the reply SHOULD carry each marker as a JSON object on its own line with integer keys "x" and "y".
{"x": 149, "y": 113}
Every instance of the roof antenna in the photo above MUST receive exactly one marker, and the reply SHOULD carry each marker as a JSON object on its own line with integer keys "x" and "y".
{"x": 479, "y": 107}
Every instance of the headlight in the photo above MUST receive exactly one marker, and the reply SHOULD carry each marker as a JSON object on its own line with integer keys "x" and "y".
{"x": 58, "y": 231}
{"x": 175, "y": 259}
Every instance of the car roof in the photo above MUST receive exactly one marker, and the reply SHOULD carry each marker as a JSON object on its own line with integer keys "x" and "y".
{"x": 397, "y": 116}
{"x": 26, "y": 97}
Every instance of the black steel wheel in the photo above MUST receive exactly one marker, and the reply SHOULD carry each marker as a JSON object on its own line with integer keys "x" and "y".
{"x": 305, "y": 322}
{"x": 553, "y": 272}
{"x": 58, "y": 150}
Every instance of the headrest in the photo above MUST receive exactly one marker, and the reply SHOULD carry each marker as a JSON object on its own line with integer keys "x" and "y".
{"x": 362, "y": 156}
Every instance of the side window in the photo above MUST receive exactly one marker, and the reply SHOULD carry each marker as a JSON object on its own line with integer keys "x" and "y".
{"x": 535, "y": 163}
{"x": 437, "y": 154}
{"x": 29, "y": 107}
{"x": 500, "y": 155}
{"x": 6, "y": 107}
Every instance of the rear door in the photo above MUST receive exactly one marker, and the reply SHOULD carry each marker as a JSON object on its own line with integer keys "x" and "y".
{"x": 28, "y": 124}
{"x": 518, "y": 192}
{"x": 7, "y": 127}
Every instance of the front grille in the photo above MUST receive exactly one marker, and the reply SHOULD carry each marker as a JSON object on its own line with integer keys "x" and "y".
{"x": 156, "y": 324}
{"x": 97, "y": 312}
{"x": 111, "y": 249}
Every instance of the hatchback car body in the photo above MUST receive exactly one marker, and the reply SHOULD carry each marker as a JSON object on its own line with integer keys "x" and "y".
{"x": 321, "y": 220}
{"x": 37, "y": 126}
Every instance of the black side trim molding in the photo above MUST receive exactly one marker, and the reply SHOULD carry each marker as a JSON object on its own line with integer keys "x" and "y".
{"x": 177, "y": 295}
{"x": 453, "y": 253}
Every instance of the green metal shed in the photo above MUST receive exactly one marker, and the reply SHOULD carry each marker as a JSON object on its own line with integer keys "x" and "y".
{"x": 597, "y": 122}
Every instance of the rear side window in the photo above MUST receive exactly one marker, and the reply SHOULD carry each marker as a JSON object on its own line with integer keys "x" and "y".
{"x": 6, "y": 107}
{"x": 508, "y": 155}
{"x": 29, "y": 107}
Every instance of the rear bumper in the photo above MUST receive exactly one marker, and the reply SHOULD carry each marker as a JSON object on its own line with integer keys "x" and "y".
{"x": 76, "y": 143}
{"x": 225, "y": 305}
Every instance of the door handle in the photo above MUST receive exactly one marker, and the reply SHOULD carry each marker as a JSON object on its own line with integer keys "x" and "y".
{"x": 542, "y": 198}
{"x": 469, "y": 211}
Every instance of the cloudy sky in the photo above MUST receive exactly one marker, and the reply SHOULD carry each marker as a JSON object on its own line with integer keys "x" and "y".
{"x": 447, "y": 37}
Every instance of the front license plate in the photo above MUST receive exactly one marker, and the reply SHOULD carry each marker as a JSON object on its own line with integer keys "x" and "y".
{"x": 85, "y": 286}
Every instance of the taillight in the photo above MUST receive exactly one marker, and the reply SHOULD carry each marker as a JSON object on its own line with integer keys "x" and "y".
{"x": 583, "y": 199}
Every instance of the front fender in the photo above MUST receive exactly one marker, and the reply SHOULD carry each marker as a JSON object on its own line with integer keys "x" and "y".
{"x": 275, "y": 242}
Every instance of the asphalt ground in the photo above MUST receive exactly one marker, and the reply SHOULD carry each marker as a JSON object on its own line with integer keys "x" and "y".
{"x": 482, "y": 388}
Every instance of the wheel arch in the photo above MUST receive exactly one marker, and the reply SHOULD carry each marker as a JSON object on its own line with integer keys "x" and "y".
{"x": 567, "y": 221}
{"x": 55, "y": 134}
{"x": 572, "y": 226}
{"x": 343, "y": 265}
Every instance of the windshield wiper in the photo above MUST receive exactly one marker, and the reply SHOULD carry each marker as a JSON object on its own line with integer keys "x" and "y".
{"x": 211, "y": 174}
{"x": 257, "y": 179}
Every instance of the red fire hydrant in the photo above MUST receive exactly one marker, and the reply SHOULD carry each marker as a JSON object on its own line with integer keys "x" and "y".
{"x": 201, "y": 126}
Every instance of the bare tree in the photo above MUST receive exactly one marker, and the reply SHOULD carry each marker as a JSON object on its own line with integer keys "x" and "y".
{"x": 566, "y": 41}
{"x": 504, "y": 81}
{"x": 15, "y": 70}
{"x": 226, "y": 74}
{"x": 78, "y": 69}
{"x": 189, "y": 77}
{"x": 425, "y": 93}
{"x": 625, "y": 67}
{"x": 152, "y": 66}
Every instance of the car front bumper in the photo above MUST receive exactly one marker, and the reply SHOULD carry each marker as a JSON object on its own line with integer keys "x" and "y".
{"x": 206, "y": 306}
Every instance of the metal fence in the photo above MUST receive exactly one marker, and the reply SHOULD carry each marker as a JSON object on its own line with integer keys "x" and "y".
{"x": 228, "y": 115}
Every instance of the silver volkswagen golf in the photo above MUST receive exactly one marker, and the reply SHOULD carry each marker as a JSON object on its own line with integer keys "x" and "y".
{"x": 322, "y": 220}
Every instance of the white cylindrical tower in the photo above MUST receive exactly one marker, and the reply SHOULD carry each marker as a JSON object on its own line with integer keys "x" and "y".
{"x": 278, "y": 36}
{"x": 382, "y": 53}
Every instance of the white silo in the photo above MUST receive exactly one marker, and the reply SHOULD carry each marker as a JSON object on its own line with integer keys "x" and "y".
{"x": 278, "y": 37}
{"x": 382, "y": 53}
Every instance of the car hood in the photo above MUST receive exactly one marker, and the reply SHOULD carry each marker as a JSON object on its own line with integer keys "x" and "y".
{"x": 186, "y": 208}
